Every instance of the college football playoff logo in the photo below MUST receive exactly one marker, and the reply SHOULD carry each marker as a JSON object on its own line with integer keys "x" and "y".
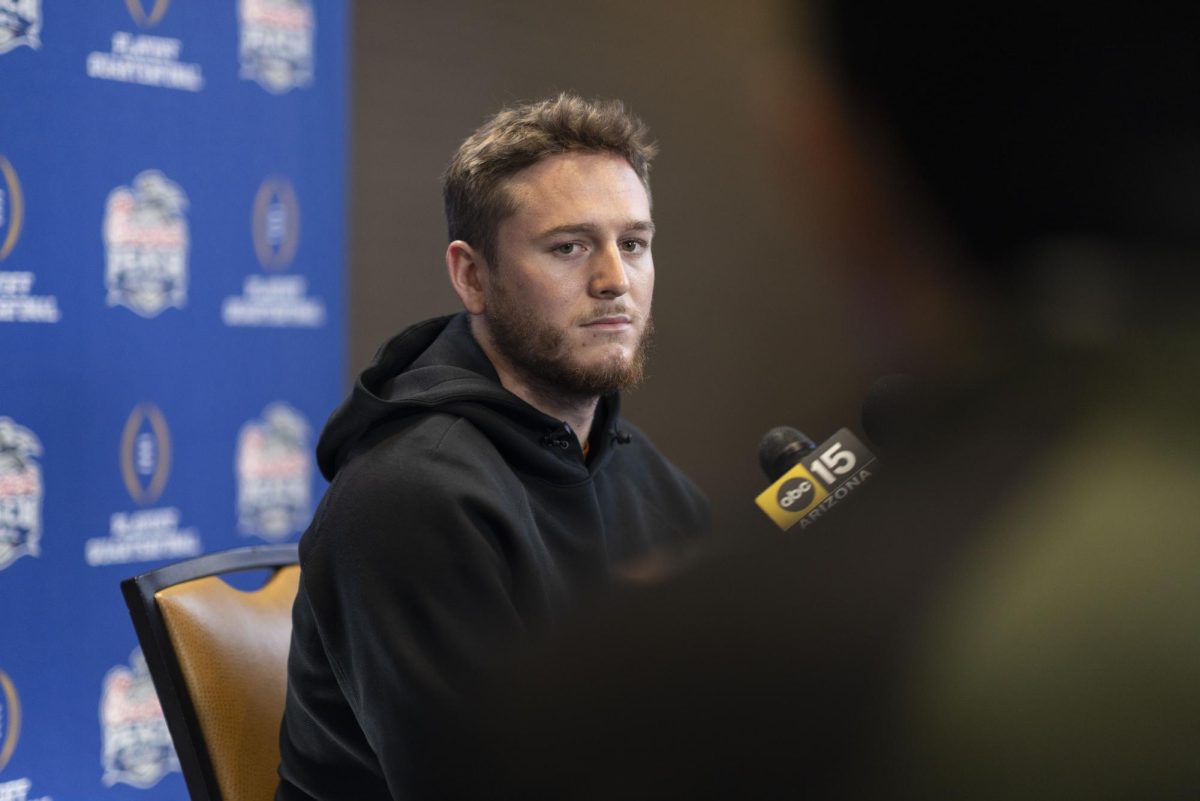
{"x": 275, "y": 223}
{"x": 144, "y": 18}
{"x": 10, "y": 719}
{"x": 145, "y": 454}
{"x": 12, "y": 208}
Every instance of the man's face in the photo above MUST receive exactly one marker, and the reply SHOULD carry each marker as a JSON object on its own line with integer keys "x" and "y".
{"x": 568, "y": 301}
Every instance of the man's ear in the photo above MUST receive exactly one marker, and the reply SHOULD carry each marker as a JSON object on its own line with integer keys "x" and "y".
{"x": 467, "y": 271}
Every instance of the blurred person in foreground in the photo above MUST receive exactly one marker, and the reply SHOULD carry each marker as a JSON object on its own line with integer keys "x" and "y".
{"x": 482, "y": 480}
{"x": 1012, "y": 609}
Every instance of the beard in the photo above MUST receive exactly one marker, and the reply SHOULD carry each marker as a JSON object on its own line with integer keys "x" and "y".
{"x": 536, "y": 349}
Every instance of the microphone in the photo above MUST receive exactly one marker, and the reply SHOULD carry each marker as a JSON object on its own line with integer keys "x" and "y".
{"x": 809, "y": 480}
{"x": 781, "y": 448}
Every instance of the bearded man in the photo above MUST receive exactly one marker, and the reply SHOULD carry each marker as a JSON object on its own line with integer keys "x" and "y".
{"x": 481, "y": 478}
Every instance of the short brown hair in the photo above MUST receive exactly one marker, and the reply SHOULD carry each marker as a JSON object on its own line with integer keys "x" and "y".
{"x": 519, "y": 136}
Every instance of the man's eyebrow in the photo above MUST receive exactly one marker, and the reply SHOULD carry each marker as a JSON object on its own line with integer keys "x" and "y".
{"x": 592, "y": 228}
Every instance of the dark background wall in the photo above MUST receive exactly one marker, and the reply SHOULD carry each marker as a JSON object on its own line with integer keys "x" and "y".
{"x": 754, "y": 326}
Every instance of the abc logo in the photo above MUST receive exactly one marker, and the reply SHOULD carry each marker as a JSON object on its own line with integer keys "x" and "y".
{"x": 795, "y": 495}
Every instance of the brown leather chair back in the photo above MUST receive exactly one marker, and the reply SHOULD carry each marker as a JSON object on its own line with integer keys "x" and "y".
{"x": 232, "y": 648}
{"x": 218, "y": 657}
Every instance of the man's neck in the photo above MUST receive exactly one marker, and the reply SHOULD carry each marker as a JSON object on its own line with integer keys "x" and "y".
{"x": 577, "y": 412}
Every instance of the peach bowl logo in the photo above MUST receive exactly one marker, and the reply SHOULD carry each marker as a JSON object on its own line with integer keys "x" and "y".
{"x": 275, "y": 223}
{"x": 144, "y": 18}
{"x": 136, "y": 745}
{"x": 275, "y": 43}
{"x": 20, "y": 493}
{"x": 274, "y": 474}
{"x": 146, "y": 244}
{"x": 10, "y": 719}
{"x": 20, "y": 24}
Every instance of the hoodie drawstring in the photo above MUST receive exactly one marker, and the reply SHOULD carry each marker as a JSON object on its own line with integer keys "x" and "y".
{"x": 620, "y": 437}
{"x": 559, "y": 437}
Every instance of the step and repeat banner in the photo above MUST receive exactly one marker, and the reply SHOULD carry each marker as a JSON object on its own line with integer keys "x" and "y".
{"x": 172, "y": 178}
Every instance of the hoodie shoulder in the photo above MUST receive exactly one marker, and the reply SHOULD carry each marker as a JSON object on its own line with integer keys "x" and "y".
{"x": 419, "y": 369}
{"x": 407, "y": 472}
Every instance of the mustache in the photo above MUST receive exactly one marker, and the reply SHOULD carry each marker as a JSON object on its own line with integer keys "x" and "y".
{"x": 601, "y": 311}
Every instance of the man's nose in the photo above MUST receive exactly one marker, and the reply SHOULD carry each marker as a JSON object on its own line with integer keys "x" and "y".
{"x": 609, "y": 279}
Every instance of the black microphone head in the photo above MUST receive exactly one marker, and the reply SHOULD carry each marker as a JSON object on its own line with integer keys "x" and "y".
{"x": 895, "y": 411}
{"x": 781, "y": 449}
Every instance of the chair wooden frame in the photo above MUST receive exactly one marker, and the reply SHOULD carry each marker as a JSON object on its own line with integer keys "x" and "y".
{"x": 163, "y": 663}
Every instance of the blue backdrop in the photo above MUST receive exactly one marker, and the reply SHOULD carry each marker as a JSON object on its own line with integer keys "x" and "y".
{"x": 171, "y": 337}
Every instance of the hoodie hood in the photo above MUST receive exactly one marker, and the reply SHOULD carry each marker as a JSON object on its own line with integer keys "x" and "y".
{"x": 437, "y": 365}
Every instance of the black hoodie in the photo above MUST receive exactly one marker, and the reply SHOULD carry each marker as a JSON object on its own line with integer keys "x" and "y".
{"x": 458, "y": 518}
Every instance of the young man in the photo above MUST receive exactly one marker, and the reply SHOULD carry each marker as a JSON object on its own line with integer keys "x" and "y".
{"x": 1009, "y": 609}
{"x": 481, "y": 476}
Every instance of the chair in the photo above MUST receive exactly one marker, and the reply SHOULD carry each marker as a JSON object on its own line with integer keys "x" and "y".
{"x": 218, "y": 659}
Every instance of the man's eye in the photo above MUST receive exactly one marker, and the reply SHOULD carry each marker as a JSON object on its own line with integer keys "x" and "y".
{"x": 567, "y": 248}
{"x": 634, "y": 245}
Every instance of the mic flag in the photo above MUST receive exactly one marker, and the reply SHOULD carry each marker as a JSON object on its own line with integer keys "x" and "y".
{"x": 837, "y": 467}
